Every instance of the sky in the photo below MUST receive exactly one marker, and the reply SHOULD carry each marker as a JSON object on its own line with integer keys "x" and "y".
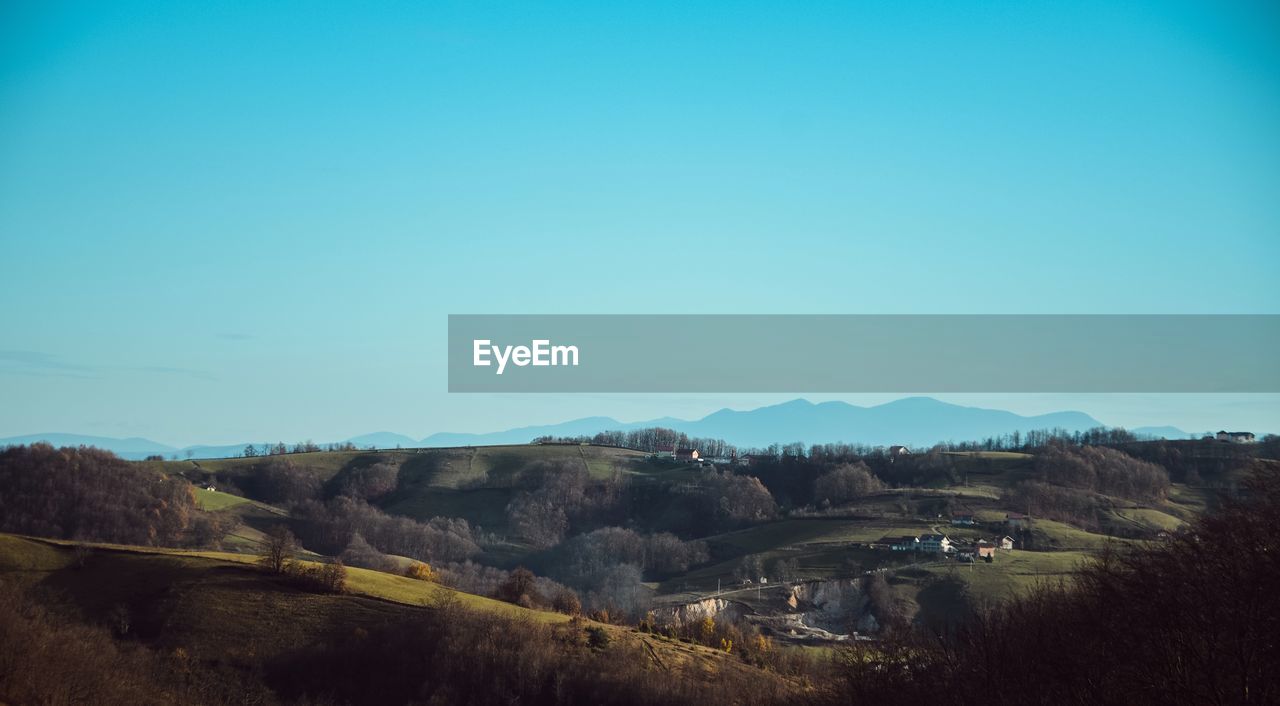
{"x": 241, "y": 220}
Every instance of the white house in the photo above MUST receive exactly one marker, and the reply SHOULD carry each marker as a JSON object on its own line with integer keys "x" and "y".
{"x": 1236, "y": 437}
{"x": 935, "y": 544}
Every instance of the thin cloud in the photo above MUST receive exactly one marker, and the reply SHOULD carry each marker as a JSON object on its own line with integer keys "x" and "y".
{"x": 41, "y": 364}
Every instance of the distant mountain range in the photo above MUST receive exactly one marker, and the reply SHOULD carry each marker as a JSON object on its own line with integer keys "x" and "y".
{"x": 913, "y": 421}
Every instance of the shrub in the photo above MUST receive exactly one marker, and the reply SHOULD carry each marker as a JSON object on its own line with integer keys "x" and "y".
{"x": 325, "y": 578}
{"x": 421, "y": 571}
{"x": 597, "y": 637}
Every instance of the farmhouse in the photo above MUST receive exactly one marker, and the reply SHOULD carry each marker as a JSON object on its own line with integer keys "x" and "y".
{"x": 665, "y": 451}
{"x": 1006, "y": 542}
{"x": 985, "y": 549}
{"x": 896, "y": 451}
{"x": 1236, "y": 437}
{"x": 935, "y": 543}
{"x": 903, "y": 544}
{"x": 686, "y": 454}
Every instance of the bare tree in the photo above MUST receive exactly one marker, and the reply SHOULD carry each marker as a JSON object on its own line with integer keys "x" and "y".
{"x": 279, "y": 549}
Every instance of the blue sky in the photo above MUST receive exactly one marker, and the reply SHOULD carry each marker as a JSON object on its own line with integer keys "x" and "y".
{"x": 222, "y": 221}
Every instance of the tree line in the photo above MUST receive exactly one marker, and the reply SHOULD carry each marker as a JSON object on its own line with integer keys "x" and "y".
{"x": 93, "y": 495}
{"x": 649, "y": 440}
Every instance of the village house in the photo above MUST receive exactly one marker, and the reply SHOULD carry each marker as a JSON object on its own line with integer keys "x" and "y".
{"x": 984, "y": 549}
{"x": 686, "y": 454}
{"x": 964, "y": 520}
{"x": 935, "y": 543}
{"x": 665, "y": 451}
{"x": 1006, "y": 542}
{"x": 903, "y": 544}
{"x": 896, "y": 451}
{"x": 1236, "y": 437}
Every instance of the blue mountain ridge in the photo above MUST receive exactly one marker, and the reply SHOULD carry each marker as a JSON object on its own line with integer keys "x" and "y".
{"x": 913, "y": 421}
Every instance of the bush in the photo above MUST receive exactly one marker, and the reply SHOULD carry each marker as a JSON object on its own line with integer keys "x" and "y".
{"x": 597, "y": 637}
{"x": 325, "y": 578}
{"x": 421, "y": 571}
{"x": 566, "y": 601}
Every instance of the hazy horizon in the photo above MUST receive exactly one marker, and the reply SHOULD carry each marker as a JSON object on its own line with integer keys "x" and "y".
{"x": 1230, "y": 411}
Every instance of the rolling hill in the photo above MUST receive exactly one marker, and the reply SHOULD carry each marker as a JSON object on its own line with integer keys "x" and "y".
{"x": 221, "y": 630}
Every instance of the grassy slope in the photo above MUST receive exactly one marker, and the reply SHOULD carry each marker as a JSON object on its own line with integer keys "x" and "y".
{"x": 43, "y": 555}
{"x": 214, "y": 500}
{"x": 220, "y": 608}
{"x": 1011, "y": 572}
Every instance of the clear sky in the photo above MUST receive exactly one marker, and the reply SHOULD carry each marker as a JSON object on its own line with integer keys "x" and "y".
{"x": 244, "y": 220}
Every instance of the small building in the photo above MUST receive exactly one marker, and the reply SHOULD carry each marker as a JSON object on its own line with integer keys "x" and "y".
{"x": 896, "y": 451}
{"x": 1017, "y": 519}
{"x": 665, "y": 451}
{"x": 1006, "y": 542}
{"x": 903, "y": 544}
{"x": 1236, "y": 437}
{"x": 984, "y": 549}
{"x": 686, "y": 454}
{"x": 964, "y": 520}
{"x": 935, "y": 543}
